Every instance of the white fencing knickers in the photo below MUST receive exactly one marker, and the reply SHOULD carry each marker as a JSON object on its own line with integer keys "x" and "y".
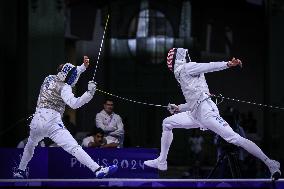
{"x": 206, "y": 116}
{"x": 48, "y": 123}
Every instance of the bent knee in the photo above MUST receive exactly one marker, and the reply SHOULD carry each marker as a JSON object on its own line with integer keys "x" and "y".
{"x": 166, "y": 125}
{"x": 31, "y": 143}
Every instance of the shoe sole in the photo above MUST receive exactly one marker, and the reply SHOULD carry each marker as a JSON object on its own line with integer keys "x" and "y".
{"x": 164, "y": 169}
{"x": 110, "y": 172}
{"x": 156, "y": 167}
{"x": 276, "y": 176}
{"x": 150, "y": 165}
{"x": 101, "y": 175}
{"x": 18, "y": 177}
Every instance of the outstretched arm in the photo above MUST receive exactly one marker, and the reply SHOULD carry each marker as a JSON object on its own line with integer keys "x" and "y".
{"x": 194, "y": 68}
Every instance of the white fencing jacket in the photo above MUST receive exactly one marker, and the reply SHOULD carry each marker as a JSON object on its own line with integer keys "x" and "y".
{"x": 192, "y": 81}
{"x": 55, "y": 94}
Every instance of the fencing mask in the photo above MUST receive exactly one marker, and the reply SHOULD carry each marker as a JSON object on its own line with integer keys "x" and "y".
{"x": 69, "y": 74}
{"x": 177, "y": 57}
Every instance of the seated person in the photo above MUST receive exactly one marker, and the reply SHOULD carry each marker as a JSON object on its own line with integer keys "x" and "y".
{"x": 97, "y": 140}
{"x": 111, "y": 124}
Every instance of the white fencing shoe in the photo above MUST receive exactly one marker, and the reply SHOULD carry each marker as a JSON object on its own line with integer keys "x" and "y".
{"x": 274, "y": 168}
{"x": 155, "y": 163}
{"x": 20, "y": 174}
{"x": 104, "y": 171}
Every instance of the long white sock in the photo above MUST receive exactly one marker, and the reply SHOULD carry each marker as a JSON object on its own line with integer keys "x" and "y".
{"x": 252, "y": 148}
{"x": 27, "y": 155}
{"x": 166, "y": 140}
{"x": 84, "y": 158}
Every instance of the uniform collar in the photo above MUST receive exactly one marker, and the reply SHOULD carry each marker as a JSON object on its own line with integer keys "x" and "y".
{"x": 103, "y": 111}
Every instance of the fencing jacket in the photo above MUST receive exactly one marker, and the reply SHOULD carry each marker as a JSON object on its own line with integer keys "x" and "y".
{"x": 193, "y": 83}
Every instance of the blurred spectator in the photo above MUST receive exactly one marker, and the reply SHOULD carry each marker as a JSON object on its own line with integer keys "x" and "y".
{"x": 225, "y": 149}
{"x": 111, "y": 124}
{"x": 97, "y": 140}
{"x": 250, "y": 123}
{"x": 196, "y": 141}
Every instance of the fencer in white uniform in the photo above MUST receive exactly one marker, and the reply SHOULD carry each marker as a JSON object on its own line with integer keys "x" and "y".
{"x": 200, "y": 111}
{"x": 55, "y": 93}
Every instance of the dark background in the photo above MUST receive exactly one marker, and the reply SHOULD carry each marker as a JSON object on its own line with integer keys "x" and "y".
{"x": 38, "y": 35}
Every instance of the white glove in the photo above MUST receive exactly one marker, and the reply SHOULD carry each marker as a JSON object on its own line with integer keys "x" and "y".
{"x": 92, "y": 87}
{"x": 173, "y": 108}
